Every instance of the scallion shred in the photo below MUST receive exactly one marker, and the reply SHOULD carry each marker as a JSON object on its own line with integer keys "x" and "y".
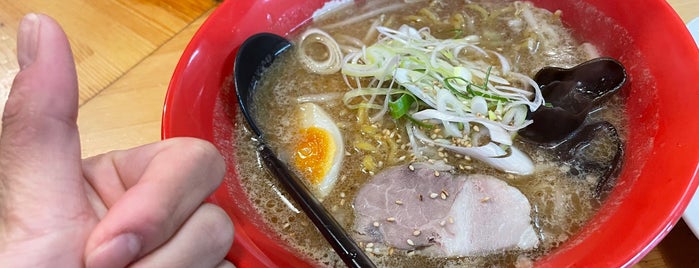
{"x": 401, "y": 106}
{"x": 410, "y": 71}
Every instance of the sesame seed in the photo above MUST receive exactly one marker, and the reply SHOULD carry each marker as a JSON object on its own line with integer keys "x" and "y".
{"x": 442, "y": 223}
{"x": 286, "y": 225}
{"x": 398, "y": 202}
{"x": 390, "y": 219}
{"x": 416, "y": 233}
{"x": 401, "y": 158}
{"x": 411, "y": 253}
{"x": 411, "y": 167}
{"x": 410, "y": 242}
{"x": 436, "y": 173}
{"x": 370, "y": 245}
{"x": 390, "y": 251}
{"x": 434, "y": 195}
{"x": 342, "y": 202}
{"x": 510, "y": 176}
{"x": 442, "y": 195}
{"x": 476, "y": 129}
{"x": 376, "y": 224}
{"x": 451, "y": 220}
{"x": 342, "y": 194}
{"x": 485, "y": 199}
{"x": 445, "y": 193}
{"x": 368, "y": 250}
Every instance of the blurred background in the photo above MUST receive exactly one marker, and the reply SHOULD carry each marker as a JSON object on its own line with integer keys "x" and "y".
{"x": 126, "y": 51}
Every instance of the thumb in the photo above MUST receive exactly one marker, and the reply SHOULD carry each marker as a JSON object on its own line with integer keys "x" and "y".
{"x": 39, "y": 144}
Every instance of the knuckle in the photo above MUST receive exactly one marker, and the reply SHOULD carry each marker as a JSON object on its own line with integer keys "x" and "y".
{"x": 29, "y": 118}
{"x": 158, "y": 221}
{"x": 203, "y": 154}
{"x": 219, "y": 227}
{"x": 15, "y": 108}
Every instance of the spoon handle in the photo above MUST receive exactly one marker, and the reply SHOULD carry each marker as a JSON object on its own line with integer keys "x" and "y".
{"x": 343, "y": 244}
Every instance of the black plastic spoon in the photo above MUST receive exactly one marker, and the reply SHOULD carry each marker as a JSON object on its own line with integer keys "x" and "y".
{"x": 256, "y": 54}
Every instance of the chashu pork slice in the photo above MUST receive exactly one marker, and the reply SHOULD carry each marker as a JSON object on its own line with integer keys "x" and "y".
{"x": 442, "y": 214}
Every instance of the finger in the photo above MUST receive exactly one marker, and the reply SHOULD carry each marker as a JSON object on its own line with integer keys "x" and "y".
{"x": 150, "y": 191}
{"x": 225, "y": 264}
{"x": 39, "y": 145}
{"x": 202, "y": 241}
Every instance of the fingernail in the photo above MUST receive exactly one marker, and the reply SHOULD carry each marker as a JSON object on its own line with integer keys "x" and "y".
{"x": 118, "y": 252}
{"x": 28, "y": 40}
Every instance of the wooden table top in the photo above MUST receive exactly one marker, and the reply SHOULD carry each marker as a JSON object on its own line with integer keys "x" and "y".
{"x": 126, "y": 51}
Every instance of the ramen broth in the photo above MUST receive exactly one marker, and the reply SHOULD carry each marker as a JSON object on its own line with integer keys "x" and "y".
{"x": 561, "y": 203}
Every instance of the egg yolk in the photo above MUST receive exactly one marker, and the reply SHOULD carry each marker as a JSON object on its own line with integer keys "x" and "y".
{"x": 313, "y": 153}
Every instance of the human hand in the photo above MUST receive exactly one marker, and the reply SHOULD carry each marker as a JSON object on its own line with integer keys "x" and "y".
{"x": 140, "y": 207}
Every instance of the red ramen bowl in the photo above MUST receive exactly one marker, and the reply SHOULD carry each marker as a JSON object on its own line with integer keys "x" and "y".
{"x": 661, "y": 159}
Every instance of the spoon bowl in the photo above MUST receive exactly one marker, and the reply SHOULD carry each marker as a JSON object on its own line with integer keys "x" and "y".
{"x": 254, "y": 56}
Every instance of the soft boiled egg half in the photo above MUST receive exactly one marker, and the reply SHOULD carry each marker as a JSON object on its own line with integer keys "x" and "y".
{"x": 318, "y": 149}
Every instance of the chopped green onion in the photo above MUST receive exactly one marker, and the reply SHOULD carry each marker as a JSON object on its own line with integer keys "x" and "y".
{"x": 401, "y": 106}
{"x": 442, "y": 83}
{"x": 469, "y": 88}
{"x": 492, "y": 116}
{"x": 419, "y": 123}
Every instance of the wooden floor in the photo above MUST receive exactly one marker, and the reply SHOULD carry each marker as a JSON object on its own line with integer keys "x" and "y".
{"x": 125, "y": 52}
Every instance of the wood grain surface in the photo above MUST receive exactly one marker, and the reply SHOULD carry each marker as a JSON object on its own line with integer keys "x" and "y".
{"x": 126, "y": 51}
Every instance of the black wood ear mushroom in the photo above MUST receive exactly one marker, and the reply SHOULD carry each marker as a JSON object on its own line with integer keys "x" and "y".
{"x": 570, "y": 95}
{"x": 561, "y": 124}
